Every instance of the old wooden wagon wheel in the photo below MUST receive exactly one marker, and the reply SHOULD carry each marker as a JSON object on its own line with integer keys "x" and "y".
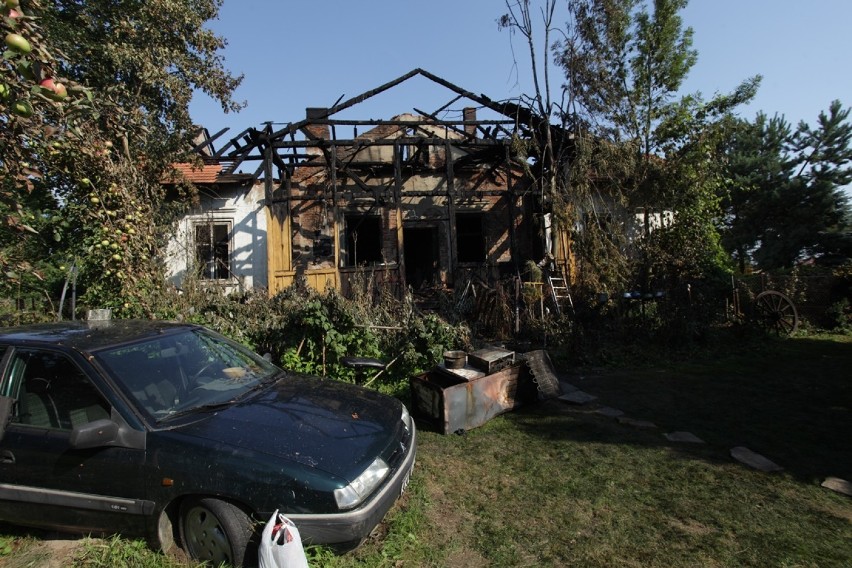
{"x": 776, "y": 312}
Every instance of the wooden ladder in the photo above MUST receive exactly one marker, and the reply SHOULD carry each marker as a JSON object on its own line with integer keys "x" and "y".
{"x": 559, "y": 291}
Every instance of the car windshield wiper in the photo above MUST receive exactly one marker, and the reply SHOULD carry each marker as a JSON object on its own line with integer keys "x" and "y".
{"x": 259, "y": 385}
{"x": 263, "y": 383}
{"x": 196, "y": 409}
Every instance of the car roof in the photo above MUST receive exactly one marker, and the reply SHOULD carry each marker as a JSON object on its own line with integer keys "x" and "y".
{"x": 90, "y": 336}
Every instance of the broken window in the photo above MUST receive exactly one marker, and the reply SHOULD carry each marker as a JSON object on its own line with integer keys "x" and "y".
{"x": 470, "y": 237}
{"x": 363, "y": 239}
{"x": 213, "y": 250}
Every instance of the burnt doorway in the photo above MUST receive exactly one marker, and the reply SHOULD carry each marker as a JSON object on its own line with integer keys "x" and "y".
{"x": 421, "y": 256}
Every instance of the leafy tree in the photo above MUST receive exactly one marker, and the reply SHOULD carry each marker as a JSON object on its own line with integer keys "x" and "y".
{"x": 624, "y": 65}
{"x": 108, "y": 216}
{"x": 785, "y": 198}
{"x": 146, "y": 55}
{"x": 39, "y": 110}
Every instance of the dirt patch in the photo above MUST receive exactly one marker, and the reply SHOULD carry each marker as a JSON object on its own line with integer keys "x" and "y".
{"x": 52, "y": 550}
{"x": 62, "y": 550}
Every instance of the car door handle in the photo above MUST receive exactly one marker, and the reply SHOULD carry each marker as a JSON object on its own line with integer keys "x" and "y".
{"x": 7, "y": 457}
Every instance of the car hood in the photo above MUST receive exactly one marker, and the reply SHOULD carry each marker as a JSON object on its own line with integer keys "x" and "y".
{"x": 320, "y": 423}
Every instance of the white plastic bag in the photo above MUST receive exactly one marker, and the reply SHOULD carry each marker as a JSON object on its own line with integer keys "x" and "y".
{"x": 281, "y": 545}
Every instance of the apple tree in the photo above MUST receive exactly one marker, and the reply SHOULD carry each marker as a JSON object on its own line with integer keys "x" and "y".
{"x": 40, "y": 113}
{"x": 104, "y": 215}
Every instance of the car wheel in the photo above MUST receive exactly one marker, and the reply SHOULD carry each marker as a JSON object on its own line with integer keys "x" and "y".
{"x": 214, "y": 531}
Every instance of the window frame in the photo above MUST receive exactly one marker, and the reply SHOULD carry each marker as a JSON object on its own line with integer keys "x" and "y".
{"x": 356, "y": 218}
{"x": 14, "y": 376}
{"x": 201, "y": 265}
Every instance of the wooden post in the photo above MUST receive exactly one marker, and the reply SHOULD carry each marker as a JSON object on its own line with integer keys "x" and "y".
{"x": 451, "y": 214}
{"x": 335, "y": 212}
{"x": 397, "y": 198}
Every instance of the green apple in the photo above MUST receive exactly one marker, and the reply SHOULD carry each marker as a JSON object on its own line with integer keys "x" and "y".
{"x": 18, "y": 43}
{"x": 23, "y": 109}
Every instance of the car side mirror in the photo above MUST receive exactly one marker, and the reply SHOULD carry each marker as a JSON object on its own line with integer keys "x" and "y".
{"x": 94, "y": 434}
{"x": 268, "y": 357}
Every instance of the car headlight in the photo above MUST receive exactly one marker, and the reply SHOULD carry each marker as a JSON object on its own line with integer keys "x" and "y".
{"x": 406, "y": 418}
{"x": 351, "y": 495}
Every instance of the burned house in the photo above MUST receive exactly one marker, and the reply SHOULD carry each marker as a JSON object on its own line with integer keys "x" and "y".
{"x": 421, "y": 199}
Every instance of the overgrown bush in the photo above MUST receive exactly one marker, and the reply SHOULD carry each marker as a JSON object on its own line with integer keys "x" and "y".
{"x": 323, "y": 330}
{"x": 309, "y": 331}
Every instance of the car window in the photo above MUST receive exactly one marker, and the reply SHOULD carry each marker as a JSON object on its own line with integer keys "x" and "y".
{"x": 52, "y": 392}
{"x": 178, "y": 372}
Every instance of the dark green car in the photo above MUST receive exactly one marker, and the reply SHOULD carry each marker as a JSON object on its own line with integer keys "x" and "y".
{"x": 171, "y": 432}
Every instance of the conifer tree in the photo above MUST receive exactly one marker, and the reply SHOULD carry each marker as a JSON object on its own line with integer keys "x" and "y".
{"x": 786, "y": 199}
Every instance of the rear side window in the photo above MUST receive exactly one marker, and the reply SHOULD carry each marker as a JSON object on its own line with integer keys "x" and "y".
{"x": 52, "y": 392}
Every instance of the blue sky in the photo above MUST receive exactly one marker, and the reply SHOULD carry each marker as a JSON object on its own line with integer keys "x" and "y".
{"x": 300, "y": 53}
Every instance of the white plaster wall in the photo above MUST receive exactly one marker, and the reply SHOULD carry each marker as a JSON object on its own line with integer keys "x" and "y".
{"x": 243, "y": 209}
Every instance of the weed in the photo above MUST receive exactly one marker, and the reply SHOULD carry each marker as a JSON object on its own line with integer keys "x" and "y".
{"x": 6, "y": 545}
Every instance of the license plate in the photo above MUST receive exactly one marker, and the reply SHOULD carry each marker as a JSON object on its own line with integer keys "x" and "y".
{"x": 405, "y": 480}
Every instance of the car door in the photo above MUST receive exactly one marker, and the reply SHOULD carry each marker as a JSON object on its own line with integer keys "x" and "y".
{"x": 43, "y": 480}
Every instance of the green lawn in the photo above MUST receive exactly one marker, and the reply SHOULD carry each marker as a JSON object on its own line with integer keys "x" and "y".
{"x": 556, "y": 485}
{"x": 559, "y": 485}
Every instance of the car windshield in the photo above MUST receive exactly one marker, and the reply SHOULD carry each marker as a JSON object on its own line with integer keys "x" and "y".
{"x": 183, "y": 372}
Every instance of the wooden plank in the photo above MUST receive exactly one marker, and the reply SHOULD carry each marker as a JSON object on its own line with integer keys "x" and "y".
{"x": 433, "y": 121}
{"x": 279, "y": 262}
{"x": 410, "y": 140}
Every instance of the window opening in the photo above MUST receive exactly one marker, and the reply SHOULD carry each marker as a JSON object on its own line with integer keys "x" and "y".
{"x": 470, "y": 237}
{"x": 363, "y": 240}
{"x": 213, "y": 250}
{"x": 52, "y": 392}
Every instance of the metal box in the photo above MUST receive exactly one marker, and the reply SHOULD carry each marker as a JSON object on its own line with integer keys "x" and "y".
{"x": 491, "y": 359}
{"x": 450, "y": 400}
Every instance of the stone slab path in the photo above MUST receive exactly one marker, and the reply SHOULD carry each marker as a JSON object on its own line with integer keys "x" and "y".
{"x": 578, "y": 397}
{"x": 684, "y": 437}
{"x": 838, "y": 485}
{"x": 755, "y": 460}
{"x": 742, "y": 454}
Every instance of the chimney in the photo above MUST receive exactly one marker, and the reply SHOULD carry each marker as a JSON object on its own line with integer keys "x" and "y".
{"x": 202, "y": 140}
{"x": 318, "y": 130}
{"x": 470, "y": 115}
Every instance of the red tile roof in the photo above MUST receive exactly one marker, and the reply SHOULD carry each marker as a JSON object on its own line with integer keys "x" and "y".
{"x": 203, "y": 174}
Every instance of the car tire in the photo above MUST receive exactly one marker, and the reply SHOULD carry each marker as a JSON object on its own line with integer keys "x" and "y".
{"x": 215, "y": 531}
